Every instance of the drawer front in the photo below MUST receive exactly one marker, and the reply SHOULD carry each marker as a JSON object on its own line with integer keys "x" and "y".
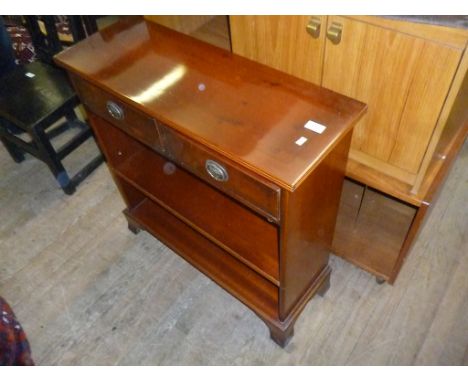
{"x": 251, "y": 190}
{"x": 235, "y": 228}
{"x": 120, "y": 114}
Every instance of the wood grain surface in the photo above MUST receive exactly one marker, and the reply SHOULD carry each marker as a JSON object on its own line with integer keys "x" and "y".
{"x": 404, "y": 79}
{"x": 407, "y": 72}
{"x": 185, "y": 24}
{"x": 247, "y": 236}
{"x": 84, "y": 288}
{"x": 453, "y": 36}
{"x": 281, "y": 42}
{"x": 76, "y": 288}
{"x": 199, "y": 89}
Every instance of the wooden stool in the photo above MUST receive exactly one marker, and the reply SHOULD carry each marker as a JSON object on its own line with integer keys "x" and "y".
{"x": 32, "y": 98}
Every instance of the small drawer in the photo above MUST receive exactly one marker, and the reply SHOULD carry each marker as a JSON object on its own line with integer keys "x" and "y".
{"x": 118, "y": 113}
{"x": 258, "y": 194}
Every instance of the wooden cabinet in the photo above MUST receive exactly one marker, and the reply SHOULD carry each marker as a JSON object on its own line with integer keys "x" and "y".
{"x": 211, "y": 156}
{"x": 282, "y": 43}
{"x": 403, "y": 74}
{"x": 411, "y": 76}
{"x": 404, "y": 79}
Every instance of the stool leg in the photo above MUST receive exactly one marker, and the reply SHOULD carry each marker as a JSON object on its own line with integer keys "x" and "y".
{"x": 15, "y": 153}
{"x": 73, "y": 120}
{"x": 71, "y": 116}
{"x": 49, "y": 156}
{"x": 6, "y": 129}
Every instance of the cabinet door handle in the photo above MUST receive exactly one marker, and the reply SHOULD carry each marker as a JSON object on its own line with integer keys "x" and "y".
{"x": 334, "y": 32}
{"x": 313, "y": 27}
{"x": 114, "y": 110}
{"x": 216, "y": 171}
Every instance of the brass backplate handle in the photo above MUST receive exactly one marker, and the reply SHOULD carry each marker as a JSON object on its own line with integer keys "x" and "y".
{"x": 334, "y": 32}
{"x": 313, "y": 27}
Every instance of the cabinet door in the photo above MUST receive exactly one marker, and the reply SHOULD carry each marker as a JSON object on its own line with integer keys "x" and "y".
{"x": 404, "y": 80}
{"x": 281, "y": 42}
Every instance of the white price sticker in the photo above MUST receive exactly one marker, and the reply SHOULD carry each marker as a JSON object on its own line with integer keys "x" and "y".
{"x": 301, "y": 141}
{"x": 315, "y": 127}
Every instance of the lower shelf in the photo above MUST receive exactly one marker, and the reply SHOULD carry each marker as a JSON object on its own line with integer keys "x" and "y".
{"x": 246, "y": 285}
{"x": 371, "y": 228}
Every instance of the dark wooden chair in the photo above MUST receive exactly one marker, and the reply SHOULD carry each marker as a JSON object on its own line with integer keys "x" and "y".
{"x": 46, "y": 38}
{"x": 34, "y": 97}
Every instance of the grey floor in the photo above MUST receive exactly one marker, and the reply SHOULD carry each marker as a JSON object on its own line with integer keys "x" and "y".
{"x": 89, "y": 292}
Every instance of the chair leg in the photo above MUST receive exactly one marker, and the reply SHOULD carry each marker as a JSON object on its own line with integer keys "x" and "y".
{"x": 6, "y": 129}
{"x": 15, "y": 153}
{"x": 73, "y": 120}
{"x": 49, "y": 156}
{"x": 71, "y": 116}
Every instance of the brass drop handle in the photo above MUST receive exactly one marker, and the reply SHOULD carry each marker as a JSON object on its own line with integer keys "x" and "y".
{"x": 334, "y": 32}
{"x": 313, "y": 27}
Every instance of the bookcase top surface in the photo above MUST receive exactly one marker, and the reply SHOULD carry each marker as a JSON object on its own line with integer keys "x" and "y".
{"x": 248, "y": 112}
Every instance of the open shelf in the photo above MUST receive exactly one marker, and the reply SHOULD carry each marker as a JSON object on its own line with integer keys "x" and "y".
{"x": 371, "y": 228}
{"x": 253, "y": 290}
{"x": 246, "y": 235}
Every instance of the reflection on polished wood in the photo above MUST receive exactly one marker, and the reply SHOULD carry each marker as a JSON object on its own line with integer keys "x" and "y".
{"x": 261, "y": 118}
{"x": 211, "y": 156}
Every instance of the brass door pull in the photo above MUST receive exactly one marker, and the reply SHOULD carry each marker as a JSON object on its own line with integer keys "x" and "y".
{"x": 334, "y": 32}
{"x": 313, "y": 27}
